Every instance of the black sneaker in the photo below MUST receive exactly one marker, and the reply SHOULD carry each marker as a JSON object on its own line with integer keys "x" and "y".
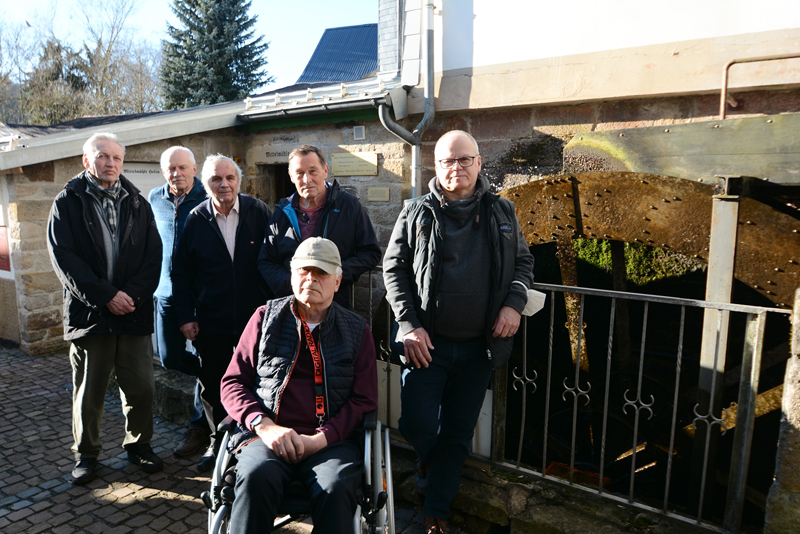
{"x": 142, "y": 454}
{"x": 83, "y": 472}
{"x": 194, "y": 439}
{"x": 208, "y": 460}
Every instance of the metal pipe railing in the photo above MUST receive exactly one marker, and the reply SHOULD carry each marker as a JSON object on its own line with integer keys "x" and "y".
{"x": 724, "y": 96}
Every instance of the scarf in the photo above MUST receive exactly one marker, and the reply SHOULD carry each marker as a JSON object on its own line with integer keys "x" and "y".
{"x": 108, "y": 199}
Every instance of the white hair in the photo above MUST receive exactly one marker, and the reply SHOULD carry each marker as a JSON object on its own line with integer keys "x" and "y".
{"x": 208, "y": 170}
{"x": 90, "y": 146}
{"x": 171, "y": 150}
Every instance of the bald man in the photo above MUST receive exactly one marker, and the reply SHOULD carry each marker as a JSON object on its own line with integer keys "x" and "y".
{"x": 456, "y": 270}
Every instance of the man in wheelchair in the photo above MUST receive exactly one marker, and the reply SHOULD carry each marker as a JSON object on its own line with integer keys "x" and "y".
{"x": 300, "y": 383}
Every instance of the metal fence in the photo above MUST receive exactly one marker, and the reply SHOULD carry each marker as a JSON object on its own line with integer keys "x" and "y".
{"x": 628, "y": 412}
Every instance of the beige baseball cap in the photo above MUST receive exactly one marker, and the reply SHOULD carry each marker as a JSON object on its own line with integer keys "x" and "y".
{"x": 317, "y": 252}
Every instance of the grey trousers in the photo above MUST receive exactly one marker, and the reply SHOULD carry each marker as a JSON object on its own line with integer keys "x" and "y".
{"x": 93, "y": 358}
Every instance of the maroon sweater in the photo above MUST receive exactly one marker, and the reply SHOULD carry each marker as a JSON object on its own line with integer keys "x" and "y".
{"x": 296, "y": 406}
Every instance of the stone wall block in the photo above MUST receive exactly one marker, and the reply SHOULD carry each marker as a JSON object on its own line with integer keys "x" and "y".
{"x": 35, "y": 260}
{"x": 38, "y": 301}
{"x": 41, "y": 320}
{"x": 502, "y": 125}
{"x": 308, "y": 137}
{"x": 45, "y": 346}
{"x": 32, "y": 244}
{"x": 29, "y": 210}
{"x": 40, "y": 172}
{"x": 335, "y": 137}
{"x": 492, "y": 152}
{"x": 31, "y": 230}
{"x": 67, "y": 169}
{"x": 44, "y": 281}
{"x": 562, "y": 121}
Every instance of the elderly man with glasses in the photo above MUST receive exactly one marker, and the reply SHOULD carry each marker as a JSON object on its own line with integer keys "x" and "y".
{"x": 456, "y": 270}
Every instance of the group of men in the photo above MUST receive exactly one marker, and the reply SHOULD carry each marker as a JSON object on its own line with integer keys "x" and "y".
{"x": 264, "y": 299}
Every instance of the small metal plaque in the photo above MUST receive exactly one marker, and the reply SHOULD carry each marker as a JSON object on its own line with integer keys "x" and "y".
{"x": 378, "y": 194}
{"x": 355, "y": 164}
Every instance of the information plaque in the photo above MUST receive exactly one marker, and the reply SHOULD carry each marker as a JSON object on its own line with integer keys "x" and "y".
{"x": 355, "y": 164}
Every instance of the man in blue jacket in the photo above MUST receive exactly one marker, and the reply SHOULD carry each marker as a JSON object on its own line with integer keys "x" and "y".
{"x": 171, "y": 204}
{"x": 215, "y": 280}
{"x": 318, "y": 209}
{"x": 106, "y": 251}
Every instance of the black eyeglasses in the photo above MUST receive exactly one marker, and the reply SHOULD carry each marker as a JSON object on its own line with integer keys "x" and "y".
{"x": 464, "y": 161}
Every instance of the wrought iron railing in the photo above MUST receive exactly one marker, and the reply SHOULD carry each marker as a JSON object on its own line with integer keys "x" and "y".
{"x": 642, "y": 428}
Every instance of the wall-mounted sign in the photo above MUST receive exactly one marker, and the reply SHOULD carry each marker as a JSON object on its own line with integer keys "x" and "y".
{"x": 355, "y": 164}
{"x": 277, "y": 154}
{"x": 5, "y": 257}
{"x": 378, "y": 194}
{"x": 145, "y": 176}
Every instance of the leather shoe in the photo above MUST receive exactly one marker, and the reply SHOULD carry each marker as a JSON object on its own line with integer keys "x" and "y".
{"x": 83, "y": 471}
{"x": 142, "y": 454}
{"x": 208, "y": 460}
{"x": 193, "y": 440}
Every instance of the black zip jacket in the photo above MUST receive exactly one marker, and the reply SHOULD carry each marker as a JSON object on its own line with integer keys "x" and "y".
{"x": 344, "y": 221}
{"x": 75, "y": 243}
{"x": 207, "y": 287}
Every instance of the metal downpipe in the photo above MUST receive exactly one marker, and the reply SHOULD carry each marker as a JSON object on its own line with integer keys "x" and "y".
{"x": 415, "y": 139}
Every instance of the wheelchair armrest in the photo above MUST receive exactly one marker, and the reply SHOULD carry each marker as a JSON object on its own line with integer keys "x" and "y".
{"x": 371, "y": 420}
{"x": 226, "y": 424}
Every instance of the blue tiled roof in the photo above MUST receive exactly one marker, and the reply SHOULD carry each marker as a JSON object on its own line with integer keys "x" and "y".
{"x": 343, "y": 54}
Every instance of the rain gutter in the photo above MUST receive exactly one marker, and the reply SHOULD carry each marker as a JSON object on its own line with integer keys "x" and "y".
{"x": 415, "y": 138}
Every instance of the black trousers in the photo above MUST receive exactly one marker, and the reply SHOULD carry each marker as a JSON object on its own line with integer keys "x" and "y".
{"x": 215, "y": 352}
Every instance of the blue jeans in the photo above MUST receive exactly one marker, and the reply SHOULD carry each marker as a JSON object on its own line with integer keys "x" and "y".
{"x": 455, "y": 381}
{"x": 332, "y": 476}
{"x": 173, "y": 354}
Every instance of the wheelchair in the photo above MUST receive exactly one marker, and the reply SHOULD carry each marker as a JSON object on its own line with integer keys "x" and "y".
{"x": 375, "y": 511}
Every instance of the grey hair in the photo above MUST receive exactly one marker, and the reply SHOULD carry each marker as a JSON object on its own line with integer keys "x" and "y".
{"x": 171, "y": 150}
{"x": 90, "y": 145}
{"x": 207, "y": 170}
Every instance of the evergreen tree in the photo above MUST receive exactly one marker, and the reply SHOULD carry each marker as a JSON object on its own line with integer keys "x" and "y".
{"x": 213, "y": 57}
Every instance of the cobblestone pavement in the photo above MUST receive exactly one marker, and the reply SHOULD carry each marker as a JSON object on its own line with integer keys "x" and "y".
{"x": 36, "y": 493}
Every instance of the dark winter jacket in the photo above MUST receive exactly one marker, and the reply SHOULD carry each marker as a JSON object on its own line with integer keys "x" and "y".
{"x": 411, "y": 267}
{"x": 75, "y": 243}
{"x": 208, "y": 287}
{"x": 170, "y": 222}
{"x": 344, "y": 221}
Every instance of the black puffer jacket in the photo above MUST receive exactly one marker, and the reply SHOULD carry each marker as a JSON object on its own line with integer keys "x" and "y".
{"x": 207, "y": 286}
{"x": 75, "y": 243}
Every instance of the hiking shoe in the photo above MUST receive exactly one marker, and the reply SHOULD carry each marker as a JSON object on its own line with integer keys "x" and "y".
{"x": 421, "y": 476}
{"x": 83, "y": 472}
{"x": 142, "y": 454}
{"x": 436, "y": 526}
{"x": 193, "y": 440}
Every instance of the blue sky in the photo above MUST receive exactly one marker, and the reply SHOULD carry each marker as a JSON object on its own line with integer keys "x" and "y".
{"x": 293, "y": 32}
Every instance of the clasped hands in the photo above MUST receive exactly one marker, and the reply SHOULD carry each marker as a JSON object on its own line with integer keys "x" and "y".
{"x": 287, "y": 444}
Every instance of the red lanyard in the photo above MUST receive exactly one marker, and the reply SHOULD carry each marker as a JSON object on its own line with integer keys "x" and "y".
{"x": 319, "y": 388}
